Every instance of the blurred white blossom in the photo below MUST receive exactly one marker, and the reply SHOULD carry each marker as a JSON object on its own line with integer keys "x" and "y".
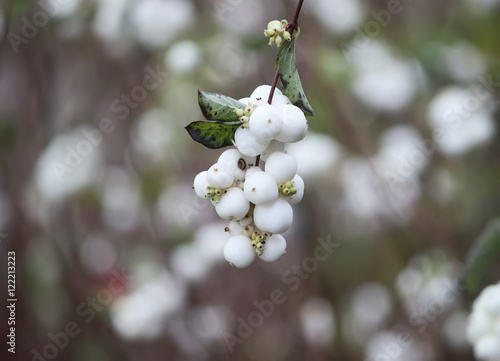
{"x": 463, "y": 117}
{"x": 309, "y": 164}
{"x": 121, "y": 201}
{"x": 69, "y": 163}
{"x": 428, "y": 285}
{"x": 318, "y": 323}
{"x": 383, "y": 81}
{"x": 372, "y": 189}
{"x": 183, "y": 57}
{"x": 483, "y": 329}
{"x": 209, "y": 323}
{"x": 152, "y": 136}
{"x": 142, "y": 313}
{"x": 157, "y": 22}
{"x": 371, "y": 305}
{"x": 193, "y": 261}
{"x": 463, "y": 62}
{"x": 397, "y": 346}
{"x": 339, "y": 16}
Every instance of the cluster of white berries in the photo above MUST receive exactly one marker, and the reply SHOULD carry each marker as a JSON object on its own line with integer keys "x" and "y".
{"x": 275, "y": 30}
{"x": 258, "y": 203}
{"x": 483, "y": 330}
{"x": 267, "y": 126}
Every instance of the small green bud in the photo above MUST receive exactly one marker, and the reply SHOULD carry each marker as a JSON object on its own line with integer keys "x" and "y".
{"x": 272, "y": 39}
{"x": 217, "y": 198}
{"x": 285, "y": 191}
{"x": 286, "y": 35}
{"x": 218, "y": 191}
{"x": 293, "y": 190}
{"x": 269, "y": 32}
{"x": 278, "y": 40}
{"x": 239, "y": 112}
{"x": 284, "y": 22}
{"x": 289, "y": 184}
{"x": 274, "y": 25}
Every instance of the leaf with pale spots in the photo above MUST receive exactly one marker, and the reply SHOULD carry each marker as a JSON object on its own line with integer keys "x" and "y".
{"x": 219, "y": 107}
{"x": 484, "y": 251}
{"x": 213, "y": 135}
{"x": 289, "y": 76}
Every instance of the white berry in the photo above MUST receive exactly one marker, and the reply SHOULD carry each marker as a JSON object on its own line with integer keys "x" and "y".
{"x": 294, "y": 124}
{"x": 274, "y": 248}
{"x": 266, "y": 122}
{"x": 251, "y": 171}
{"x": 237, "y": 162}
{"x": 220, "y": 176}
{"x": 280, "y": 100}
{"x": 260, "y": 188}
{"x": 233, "y": 205}
{"x": 261, "y": 93}
{"x": 239, "y": 251}
{"x": 248, "y": 144}
{"x": 235, "y": 228}
{"x": 282, "y": 166}
{"x": 200, "y": 184}
{"x": 274, "y": 217}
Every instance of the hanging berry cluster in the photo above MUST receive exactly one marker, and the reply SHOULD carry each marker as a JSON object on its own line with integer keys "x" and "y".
{"x": 256, "y": 201}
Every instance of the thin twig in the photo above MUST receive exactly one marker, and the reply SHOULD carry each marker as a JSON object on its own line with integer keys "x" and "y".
{"x": 292, "y": 26}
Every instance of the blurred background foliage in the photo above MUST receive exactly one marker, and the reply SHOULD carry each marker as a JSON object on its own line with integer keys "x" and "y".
{"x": 401, "y": 168}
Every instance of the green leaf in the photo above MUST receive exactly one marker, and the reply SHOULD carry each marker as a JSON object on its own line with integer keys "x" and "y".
{"x": 483, "y": 252}
{"x": 219, "y": 107}
{"x": 213, "y": 135}
{"x": 289, "y": 75}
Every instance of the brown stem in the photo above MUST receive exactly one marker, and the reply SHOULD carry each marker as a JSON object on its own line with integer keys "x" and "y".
{"x": 273, "y": 86}
{"x": 292, "y": 26}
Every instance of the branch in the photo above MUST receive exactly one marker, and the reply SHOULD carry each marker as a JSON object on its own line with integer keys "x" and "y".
{"x": 292, "y": 26}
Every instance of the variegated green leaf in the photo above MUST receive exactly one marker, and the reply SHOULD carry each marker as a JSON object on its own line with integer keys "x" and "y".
{"x": 218, "y": 107}
{"x": 213, "y": 135}
{"x": 289, "y": 76}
